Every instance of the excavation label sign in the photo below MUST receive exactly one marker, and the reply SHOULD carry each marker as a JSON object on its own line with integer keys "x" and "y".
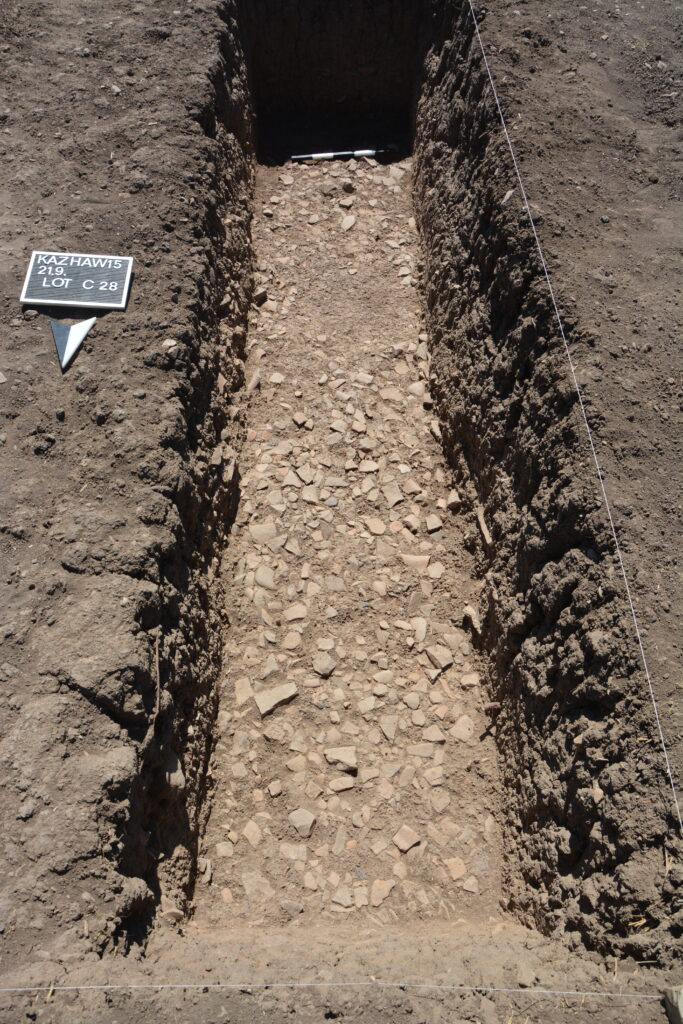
{"x": 77, "y": 279}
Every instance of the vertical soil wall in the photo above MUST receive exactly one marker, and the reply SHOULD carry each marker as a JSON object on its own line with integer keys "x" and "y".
{"x": 121, "y": 478}
{"x": 588, "y": 814}
{"x": 332, "y": 75}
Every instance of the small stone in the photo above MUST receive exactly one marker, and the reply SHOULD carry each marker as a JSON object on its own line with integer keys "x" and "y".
{"x": 348, "y": 222}
{"x": 263, "y": 532}
{"x": 225, "y": 849}
{"x": 295, "y": 612}
{"x": 379, "y": 890}
{"x": 376, "y": 526}
{"x": 293, "y": 851}
{"x": 360, "y": 896}
{"x": 275, "y": 788}
{"x": 440, "y": 800}
{"x": 673, "y": 999}
{"x": 421, "y": 749}
{"x": 323, "y": 664}
{"x": 303, "y": 821}
{"x": 345, "y": 756}
{"x": 388, "y": 725}
{"x": 393, "y": 494}
{"x": 243, "y": 690}
{"x": 342, "y": 897}
{"x": 342, "y": 783}
{"x": 470, "y": 615}
{"x": 405, "y": 838}
{"x": 419, "y": 562}
{"x": 456, "y": 867}
{"x": 440, "y": 657}
{"x": 413, "y": 523}
{"x": 434, "y": 775}
{"x": 470, "y": 680}
{"x": 269, "y": 668}
{"x": 268, "y": 700}
{"x": 471, "y": 884}
{"x": 463, "y": 729}
{"x": 433, "y": 735}
{"x": 264, "y": 577}
{"x": 526, "y": 976}
{"x": 252, "y": 833}
{"x": 256, "y": 886}
{"x": 292, "y": 907}
{"x": 420, "y": 627}
{"x": 433, "y": 524}
{"x": 291, "y": 641}
{"x": 453, "y": 501}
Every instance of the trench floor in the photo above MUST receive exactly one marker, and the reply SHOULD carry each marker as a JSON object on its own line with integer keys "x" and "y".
{"x": 353, "y": 835}
{"x": 353, "y": 774}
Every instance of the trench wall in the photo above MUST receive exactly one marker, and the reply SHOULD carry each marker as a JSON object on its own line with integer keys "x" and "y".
{"x": 357, "y": 57}
{"x": 127, "y": 492}
{"x": 587, "y": 814}
{"x": 192, "y": 474}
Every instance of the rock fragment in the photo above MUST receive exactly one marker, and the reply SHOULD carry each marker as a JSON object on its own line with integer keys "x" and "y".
{"x": 463, "y": 729}
{"x": 406, "y": 838}
{"x": 344, "y": 756}
{"x": 456, "y": 867}
{"x": 252, "y": 833}
{"x": 323, "y": 664}
{"x": 264, "y": 577}
{"x": 303, "y": 821}
{"x": 379, "y": 890}
{"x": 440, "y": 657}
{"x": 295, "y": 612}
{"x": 268, "y": 700}
{"x": 433, "y": 524}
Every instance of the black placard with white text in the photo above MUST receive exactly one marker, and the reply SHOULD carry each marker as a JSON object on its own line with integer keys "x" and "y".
{"x": 77, "y": 279}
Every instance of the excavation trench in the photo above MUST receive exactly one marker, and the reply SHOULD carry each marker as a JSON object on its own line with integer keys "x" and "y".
{"x": 425, "y": 702}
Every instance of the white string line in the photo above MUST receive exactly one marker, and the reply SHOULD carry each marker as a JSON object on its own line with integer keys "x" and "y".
{"x": 585, "y": 420}
{"x": 332, "y": 984}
